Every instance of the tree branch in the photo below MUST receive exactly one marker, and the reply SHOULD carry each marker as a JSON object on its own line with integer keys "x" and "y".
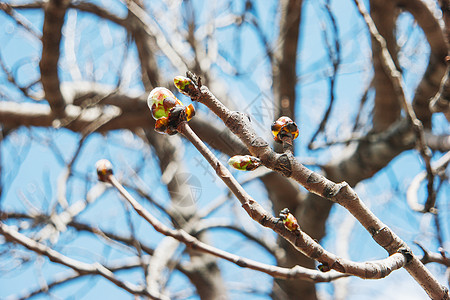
{"x": 431, "y": 80}
{"x": 411, "y": 195}
{"x": 375, "y": 269}
{"x": 78, "y": 266}
{"x": 55, "y": 11}
{"x": 387, "y": 106}
{"x": 287, "y": 165}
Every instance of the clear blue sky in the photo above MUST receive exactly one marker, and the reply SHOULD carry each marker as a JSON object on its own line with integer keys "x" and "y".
{"x": 37, "y": 177}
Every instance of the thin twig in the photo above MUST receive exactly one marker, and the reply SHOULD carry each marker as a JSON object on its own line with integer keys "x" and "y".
{"x": 64, "y": 278}
{"x": 78, "y": 266}
{"x": 8, "y": 9}
{"x": 287, "y": 165}
{"x": 300, "y": 240}
{"x": 372, "y": 270}
{"x": 335, "y": 57}
{"x": 411, "y": 195}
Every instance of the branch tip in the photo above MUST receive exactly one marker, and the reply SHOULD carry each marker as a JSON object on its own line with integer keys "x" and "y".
{"x": 104, "y": 169}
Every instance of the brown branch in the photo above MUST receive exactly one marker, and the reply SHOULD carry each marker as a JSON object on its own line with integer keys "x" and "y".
{"x": 8, "y": 9}
{"x": 386, "y": 105}
{"x": 146, "y": 46}
{"x": 151, "y": 28}
{"x": 376, "y": 269}
{"x": 334, "y": 54}
{"x": 395, "y": 77}
{"x": 441, "y": 101}
{"x": 285, "y": 56}
{"x": 287, "y": 165}
{"x": 209, "y": 224}
{"x": 78, "y": 266}
{"x": 32, "y": 114}
{"x": 430, "y": 257}
{"x": 79, "y": 5}
{"x": 437, "y": 142}
{"x": 98, "y": 11}
{"x": 133, "y": 114}
{"x": 300, "y": 240}
{"x": 372, "y": 153}
{"x": 55, "y": 11}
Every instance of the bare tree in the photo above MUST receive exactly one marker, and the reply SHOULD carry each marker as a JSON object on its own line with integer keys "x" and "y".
{"x": 368, "y": 91}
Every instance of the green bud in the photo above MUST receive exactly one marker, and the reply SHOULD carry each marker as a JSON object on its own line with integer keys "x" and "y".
{"x": 161, "y": 101}
{"x": 185, "y": 85}
{"x": 244, "y": 162}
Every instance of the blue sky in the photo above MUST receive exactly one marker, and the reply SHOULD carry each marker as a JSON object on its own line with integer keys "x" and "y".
{"x": 37, "y": 177}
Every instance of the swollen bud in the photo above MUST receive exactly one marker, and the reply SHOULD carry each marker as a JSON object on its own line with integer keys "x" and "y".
{"x": 104, "y": 169}
{"x": 324, "y": 267}
{"x": 167, "y": 110}
{"x": 161, "y": 101}
{"x": 284, "y": 126}
{"x": 289, "y": 221}
{"x": 185, "y": 85}
{"x": 244, "y": 162}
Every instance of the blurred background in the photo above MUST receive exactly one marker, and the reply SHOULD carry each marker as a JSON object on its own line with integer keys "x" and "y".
{"x": 74, "y": 80}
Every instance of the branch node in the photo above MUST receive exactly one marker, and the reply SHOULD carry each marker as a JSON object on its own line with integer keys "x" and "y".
{"x": 234, "y": 121}
{"x": 313, "y": 178}
{"x": 283, "y": 165}
{"x": 407, "y": 253}
{"x": 324, "y": 267}
{"x": 259, "y": 142}
{"x": 196, "y": 79}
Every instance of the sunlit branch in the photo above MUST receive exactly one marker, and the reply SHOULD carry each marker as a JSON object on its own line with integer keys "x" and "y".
{"x": 121, "y": 242}
{"x": 430, "y": 257}
{"x": 300, "y": 240}
{"x": 411, "y": 195}
{"x": 60, "y": 220}
{"x": 66, "y": 278}
{"x": 163, "y": 253}
{"x": 65, "y": 175}
{"x": 441, "y": 102}
{"x": 296, "y": 272}
{"x": 21, "y": 21}
{"x": 287, "y": 165}
{"x": 78, "y": 266}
